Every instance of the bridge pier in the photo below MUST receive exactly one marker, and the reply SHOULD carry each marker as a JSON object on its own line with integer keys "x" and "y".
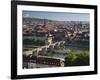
{"x": 44, "y": 50}
{"x": 50, "y": 48}
{"x": 35, "y": 53}
{"x": 47, "y": 48}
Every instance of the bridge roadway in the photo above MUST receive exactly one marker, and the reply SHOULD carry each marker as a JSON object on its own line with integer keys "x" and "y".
{"x": 57, "y": 44}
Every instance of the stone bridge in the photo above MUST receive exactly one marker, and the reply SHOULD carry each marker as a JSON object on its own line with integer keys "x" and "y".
{"x": 45, "y": 48}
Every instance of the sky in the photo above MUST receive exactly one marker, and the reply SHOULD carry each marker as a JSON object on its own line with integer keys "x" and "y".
{"x": 59, "y": 16}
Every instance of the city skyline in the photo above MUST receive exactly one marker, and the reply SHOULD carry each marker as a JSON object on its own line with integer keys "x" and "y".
{"x": 58, "y": 16}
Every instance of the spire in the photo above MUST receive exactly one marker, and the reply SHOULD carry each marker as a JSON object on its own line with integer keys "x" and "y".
{"x": 44, "y": 22}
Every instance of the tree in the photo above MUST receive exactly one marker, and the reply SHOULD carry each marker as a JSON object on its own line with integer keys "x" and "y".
{"x": 74, "y": 59}
{"x": 70, "y": 59}
{"x": 84, "y": 58}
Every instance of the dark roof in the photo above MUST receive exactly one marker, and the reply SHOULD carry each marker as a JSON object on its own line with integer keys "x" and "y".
{"x": 48, "y": 61}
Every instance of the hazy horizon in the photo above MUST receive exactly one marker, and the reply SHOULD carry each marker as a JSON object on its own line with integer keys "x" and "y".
{"x": 58, "y": 16}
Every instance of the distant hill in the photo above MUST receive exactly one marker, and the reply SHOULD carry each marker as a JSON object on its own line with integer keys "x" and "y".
{"x": 31, "y": 20}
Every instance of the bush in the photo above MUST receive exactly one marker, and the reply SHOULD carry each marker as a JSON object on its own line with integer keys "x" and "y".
{"x": 70, "y": 59}
{"x": 84, "y": 58}
{"x": 74, "y": 59}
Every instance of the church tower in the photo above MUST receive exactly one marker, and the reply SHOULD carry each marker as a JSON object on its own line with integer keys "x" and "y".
{"x": 44, "y": 23}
